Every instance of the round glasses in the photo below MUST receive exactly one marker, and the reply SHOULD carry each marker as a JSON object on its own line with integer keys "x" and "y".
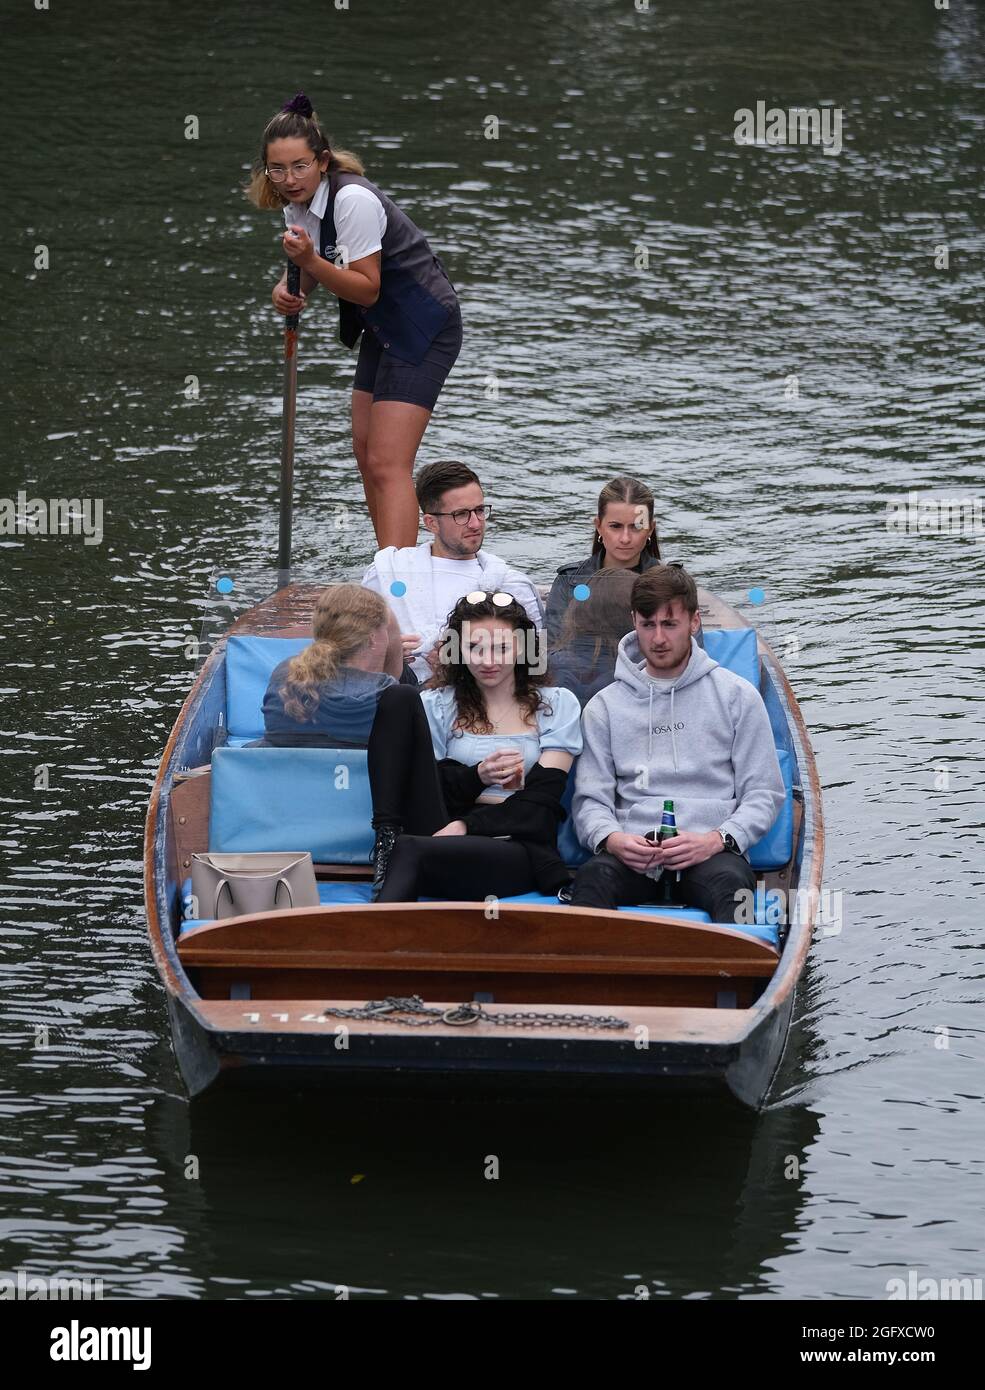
{"x": 278, "y": 173}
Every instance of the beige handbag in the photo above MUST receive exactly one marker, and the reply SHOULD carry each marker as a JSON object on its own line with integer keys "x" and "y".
{"x": 232, "y": 885}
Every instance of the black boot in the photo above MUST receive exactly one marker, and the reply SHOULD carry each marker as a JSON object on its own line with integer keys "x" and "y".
{"x": 386, "y": 838}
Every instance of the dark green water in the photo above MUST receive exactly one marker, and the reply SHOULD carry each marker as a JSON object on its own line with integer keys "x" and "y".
{"x": 637, "y": 291}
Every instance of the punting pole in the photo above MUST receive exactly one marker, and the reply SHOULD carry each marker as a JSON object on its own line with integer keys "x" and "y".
{"x": 287, "y": 433}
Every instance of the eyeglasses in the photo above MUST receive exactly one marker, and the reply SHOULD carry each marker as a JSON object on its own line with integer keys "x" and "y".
{"x": 461, "y": 516}
{"x": 278, "y": 173}
{"x": 499, "y": 598}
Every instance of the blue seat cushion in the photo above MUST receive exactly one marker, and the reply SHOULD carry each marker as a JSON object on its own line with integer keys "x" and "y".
{"x": 690, "y": 914}
{"x": 735, "y": 649}
{"x": 333, "y": 894}
{"x": 249, "y": 664}
{"x": 314, "y": 799}
{"x": 570, "y": 848}
{"x": 765, "y": 927}
{"x": 328, "y": 893}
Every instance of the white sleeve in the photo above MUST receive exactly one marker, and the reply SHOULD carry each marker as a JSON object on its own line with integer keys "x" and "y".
{"x": 360, "y": 222}
{"x": 371, "y": 580}
{"x": 524, "y": 592}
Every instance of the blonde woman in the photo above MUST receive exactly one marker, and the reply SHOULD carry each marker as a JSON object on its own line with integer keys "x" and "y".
{"x": 327, "y": 695}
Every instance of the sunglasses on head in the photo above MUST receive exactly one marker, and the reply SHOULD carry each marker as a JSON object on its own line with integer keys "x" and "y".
{"x": 499, "y": 598}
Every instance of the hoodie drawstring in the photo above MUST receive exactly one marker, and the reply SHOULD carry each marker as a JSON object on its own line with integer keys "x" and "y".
{"x": 649, "y": 729}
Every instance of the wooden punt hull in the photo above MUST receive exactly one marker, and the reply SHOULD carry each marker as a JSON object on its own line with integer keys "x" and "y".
{"x": 691, "y": 1051}
{"x": 549, "y": 960}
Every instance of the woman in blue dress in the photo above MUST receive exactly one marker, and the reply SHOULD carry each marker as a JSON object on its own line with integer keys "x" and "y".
{"x": 503, "y": 742}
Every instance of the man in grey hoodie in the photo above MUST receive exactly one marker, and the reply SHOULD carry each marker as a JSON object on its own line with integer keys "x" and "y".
{"x": 672, "y": 724}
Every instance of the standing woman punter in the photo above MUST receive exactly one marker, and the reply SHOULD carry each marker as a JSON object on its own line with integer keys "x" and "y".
{"x": 346, "y": 234}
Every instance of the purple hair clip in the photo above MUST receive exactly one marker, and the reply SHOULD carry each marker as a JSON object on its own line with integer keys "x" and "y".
{"x": 299, "y": 104}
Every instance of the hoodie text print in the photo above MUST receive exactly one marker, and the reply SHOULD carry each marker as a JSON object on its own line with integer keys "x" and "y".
{"x": 703, "y": 739}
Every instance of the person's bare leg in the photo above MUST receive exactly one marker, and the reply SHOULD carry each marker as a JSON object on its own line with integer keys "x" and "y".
{"x": 361, "y": 403}
{"x": 396, "y": 429}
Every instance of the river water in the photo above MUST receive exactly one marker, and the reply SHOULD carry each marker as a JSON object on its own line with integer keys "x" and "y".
{"x": 766, "y": 333}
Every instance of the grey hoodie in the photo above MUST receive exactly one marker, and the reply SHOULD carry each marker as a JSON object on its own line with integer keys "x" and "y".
{"x": 704, "y": 740}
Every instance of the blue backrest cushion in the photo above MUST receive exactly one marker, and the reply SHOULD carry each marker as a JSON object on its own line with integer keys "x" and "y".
{"x": 569, "y": 847}
{"x": 249, "y": 664}
{"x": 735, "y": 649}
{"x": 776, "y": 846}
{"x": 314, "y": 799}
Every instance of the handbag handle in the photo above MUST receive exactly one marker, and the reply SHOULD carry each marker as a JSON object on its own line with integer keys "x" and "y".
{"x": 224, "y": 883}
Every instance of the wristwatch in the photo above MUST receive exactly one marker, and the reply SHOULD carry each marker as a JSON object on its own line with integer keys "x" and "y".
{"x": 728, "y": 842}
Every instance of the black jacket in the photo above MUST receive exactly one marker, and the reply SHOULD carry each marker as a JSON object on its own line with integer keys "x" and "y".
{"x": 570, "y": 575}
{"x": 530, "y": 816}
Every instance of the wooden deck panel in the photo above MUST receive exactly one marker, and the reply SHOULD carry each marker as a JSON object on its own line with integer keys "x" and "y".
{"x": 717, "y": 1026}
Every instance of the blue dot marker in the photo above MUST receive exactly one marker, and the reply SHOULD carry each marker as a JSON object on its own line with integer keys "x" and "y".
{"x": 581, "y": 592}
{"x": 757, "y": 596}
{"x": 398, "y": 588}
{"x": 224, "y": 585}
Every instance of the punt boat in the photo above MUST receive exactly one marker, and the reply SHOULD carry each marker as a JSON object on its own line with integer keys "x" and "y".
{"x": 518, "y": 993}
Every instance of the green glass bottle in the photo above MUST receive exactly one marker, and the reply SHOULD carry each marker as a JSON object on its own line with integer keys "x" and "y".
{"x": 668, "y": 823}
{"x": 667, "y": 831}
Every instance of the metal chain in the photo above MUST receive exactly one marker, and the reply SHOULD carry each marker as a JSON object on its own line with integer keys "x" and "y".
{"x": 463, "y": 1014}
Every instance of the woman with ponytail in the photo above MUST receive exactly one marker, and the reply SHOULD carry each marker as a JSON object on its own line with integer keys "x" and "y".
{"x": 327, "y": 695}
{"x": 346, "y": 234}
{"x": 625, "y": 538}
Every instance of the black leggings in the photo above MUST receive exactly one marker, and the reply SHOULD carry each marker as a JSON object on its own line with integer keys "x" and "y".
{"x": 403, "y": 774}
{"x": 406, "y": 788}
{"x": 469, "y": 868}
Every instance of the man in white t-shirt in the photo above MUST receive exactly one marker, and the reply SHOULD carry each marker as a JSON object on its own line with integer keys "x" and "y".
{"x": 423, "y": 583}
